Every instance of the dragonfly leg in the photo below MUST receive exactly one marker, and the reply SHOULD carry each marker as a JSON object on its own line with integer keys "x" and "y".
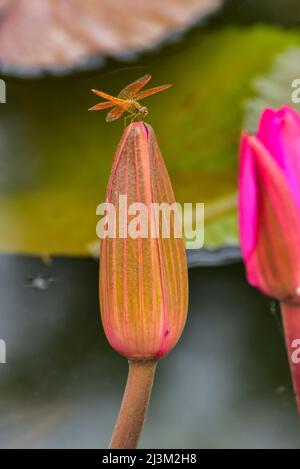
{"x": 125, "y": 121}
{"x": 131, "y": 116}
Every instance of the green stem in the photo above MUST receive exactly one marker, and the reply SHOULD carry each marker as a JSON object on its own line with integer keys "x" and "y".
{"x": 134, "y": 405}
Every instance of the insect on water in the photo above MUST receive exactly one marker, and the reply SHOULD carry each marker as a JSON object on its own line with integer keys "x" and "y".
{"x": 128, "y": 100}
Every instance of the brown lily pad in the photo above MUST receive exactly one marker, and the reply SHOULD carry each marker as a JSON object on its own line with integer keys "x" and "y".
{"x": 49, "y": 35}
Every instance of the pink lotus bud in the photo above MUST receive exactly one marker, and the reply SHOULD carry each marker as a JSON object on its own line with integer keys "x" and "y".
{"x": 269, "y": 215}
{"x": 269, "y": 204}
{"x": 143, "y": 278}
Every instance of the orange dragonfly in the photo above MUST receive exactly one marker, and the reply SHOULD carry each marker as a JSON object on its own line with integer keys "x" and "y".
{"x": 127, "y": 100}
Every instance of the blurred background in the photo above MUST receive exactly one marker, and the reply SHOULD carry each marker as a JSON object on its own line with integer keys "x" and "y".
{"x": 227, "y": 383}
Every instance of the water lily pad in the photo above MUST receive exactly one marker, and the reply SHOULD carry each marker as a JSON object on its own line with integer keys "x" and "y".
{"x": 55, "y": 157}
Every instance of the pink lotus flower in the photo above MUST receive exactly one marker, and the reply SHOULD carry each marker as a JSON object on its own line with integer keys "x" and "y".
{"x": 269, "y": 215}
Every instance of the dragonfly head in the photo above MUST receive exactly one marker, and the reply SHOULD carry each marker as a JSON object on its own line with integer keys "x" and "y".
{"x": 143, "y": 111}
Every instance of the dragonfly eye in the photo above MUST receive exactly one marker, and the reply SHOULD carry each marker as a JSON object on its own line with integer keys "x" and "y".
{"x": 143, "y": 110}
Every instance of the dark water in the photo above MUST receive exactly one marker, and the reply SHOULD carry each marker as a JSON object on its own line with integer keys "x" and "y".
{"x": 283, "y": 12}
{"x": 226, "y": 384}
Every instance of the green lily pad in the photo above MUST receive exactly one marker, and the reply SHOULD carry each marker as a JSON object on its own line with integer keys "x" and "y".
{"x": 55, "y": 157}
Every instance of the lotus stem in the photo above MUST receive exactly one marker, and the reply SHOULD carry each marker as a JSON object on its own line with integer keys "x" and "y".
{"x": 134, "y": 405}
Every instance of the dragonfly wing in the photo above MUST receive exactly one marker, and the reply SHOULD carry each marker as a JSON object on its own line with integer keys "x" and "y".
{"x": 116, "y": 112}
{"x": 133, "y": 88}
{"x": 113, "y": 99}
{"x": 146, "y": 93}
{"x": 100, "y": 106}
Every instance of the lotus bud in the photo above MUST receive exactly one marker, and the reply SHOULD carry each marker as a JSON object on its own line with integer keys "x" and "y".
{"x": 143, "y": 275}
{"x": 269, "y": 216}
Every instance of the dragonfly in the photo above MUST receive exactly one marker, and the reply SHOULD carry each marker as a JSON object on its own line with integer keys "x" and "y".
{"x": 127, "y": 100}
